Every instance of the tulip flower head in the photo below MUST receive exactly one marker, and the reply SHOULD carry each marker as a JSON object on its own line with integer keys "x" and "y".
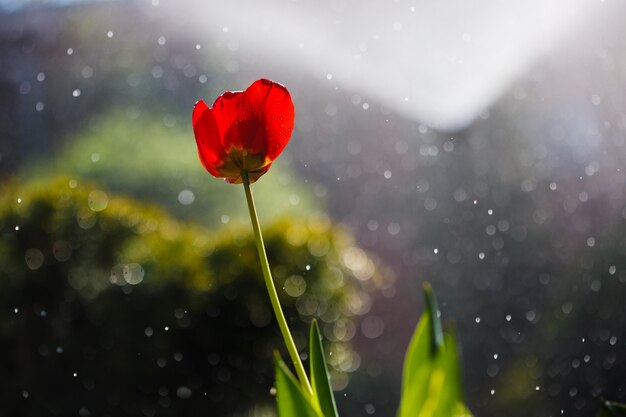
{"x": 244, "y": 130}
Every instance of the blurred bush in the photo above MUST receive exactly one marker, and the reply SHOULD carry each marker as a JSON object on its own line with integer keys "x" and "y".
{"x": 152, "y": 156}
{"x": 112, "y": 307}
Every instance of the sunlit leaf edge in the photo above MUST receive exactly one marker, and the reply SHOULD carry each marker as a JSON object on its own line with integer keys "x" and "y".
{"x": 612, "y": 409}
{"x": 320, "y": 381}
{"x": 431, "y": 385}
{"x": 290, "y": 400}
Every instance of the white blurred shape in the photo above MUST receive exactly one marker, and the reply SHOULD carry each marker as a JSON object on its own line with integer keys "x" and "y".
{"x": 452, "y": 59}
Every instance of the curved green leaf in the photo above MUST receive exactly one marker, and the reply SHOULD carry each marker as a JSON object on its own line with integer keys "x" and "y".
{"x": 419, "y": 361}
{"x": 431, "y": 384}
{"x": 435, "y": 322}
{"x": 290, "y": 400}
{"x": 453, "y": 369}
{"x": 320, "y": 381}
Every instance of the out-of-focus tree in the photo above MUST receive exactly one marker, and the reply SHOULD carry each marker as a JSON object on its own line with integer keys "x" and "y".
{"x": 154, "y": 158}
{"x": 114, "y": 307}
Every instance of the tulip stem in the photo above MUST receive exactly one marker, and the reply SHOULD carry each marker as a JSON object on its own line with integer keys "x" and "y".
{"x": 271, "y": 289}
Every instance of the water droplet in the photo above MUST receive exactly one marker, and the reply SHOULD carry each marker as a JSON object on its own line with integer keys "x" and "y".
{"x": 34, "y": 258}
{"x": 596, "y": 100}
{"x": 97, "y": 200}
{"x": 133, "y": 273}
{"x": 295, "y": 286}
{"x": 183, "y": 392}
{"x": 86, "y": 72}
{"x": 61, "y": 250}
{"x": 186, "y": 197}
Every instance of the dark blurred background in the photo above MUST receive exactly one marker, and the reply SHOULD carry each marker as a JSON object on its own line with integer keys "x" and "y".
{"x": 479, "y": 146}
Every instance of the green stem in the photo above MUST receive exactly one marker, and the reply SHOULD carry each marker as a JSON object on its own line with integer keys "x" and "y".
{"x": 271, "y": 289}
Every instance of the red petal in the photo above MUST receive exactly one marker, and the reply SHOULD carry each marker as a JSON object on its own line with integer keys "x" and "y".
{"x": 226, "y": 110}
{"x": 269, "y": 105}
{"x": 207, "y": 135}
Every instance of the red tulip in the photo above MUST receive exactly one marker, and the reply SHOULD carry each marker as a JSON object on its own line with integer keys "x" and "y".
{"x": 244, "y": 130}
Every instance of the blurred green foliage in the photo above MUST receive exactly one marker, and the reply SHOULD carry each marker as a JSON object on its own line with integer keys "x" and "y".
{"x": 115, "y": 307}
{"x": 154, "y": 158}
{"x": 431, "y": 379}
{"x": 431, "y": 383}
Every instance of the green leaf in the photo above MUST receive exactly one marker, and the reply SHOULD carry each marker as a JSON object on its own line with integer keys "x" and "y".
{"x": 290, "y": 400}
{"x": 320, "y": 381}
{"x": 420, "y": 360}
{"x": 612, "y": 409}
{"x": 435, "y": 322}
{"x": 431, "y": 385}
{"x": 450, "y": 394}
{"x": 453, "y": 368}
